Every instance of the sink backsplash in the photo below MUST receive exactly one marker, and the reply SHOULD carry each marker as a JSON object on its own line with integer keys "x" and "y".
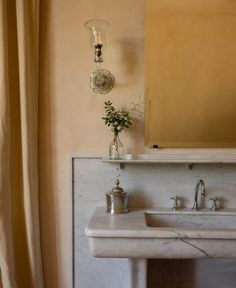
{"x": 152, "y": 185}
{"x": 148, "y": 185}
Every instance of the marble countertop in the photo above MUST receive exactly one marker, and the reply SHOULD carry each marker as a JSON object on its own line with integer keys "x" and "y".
{"x": 133, "y": 225}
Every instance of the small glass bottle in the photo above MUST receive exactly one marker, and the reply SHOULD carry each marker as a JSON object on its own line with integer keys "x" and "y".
{"x": 116, "y": 148}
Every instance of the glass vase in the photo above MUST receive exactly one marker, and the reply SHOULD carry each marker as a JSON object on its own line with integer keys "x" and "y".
{"x": 116, "y": 148}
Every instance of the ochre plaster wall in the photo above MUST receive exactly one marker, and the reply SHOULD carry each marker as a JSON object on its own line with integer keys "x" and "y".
{"x": 70, "y": 113}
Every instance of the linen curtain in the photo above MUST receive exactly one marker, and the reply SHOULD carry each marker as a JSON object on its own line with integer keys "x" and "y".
{"x": 20, "y": 251}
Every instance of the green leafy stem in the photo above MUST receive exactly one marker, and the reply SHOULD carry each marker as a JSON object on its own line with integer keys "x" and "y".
{"x": 117, "y": 119}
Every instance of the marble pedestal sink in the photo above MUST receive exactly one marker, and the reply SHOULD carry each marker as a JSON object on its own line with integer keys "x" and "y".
{"x": 162, "y": 233}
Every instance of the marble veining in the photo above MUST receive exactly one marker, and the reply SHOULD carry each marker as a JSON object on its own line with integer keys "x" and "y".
{"x": 134, "y": 224}
{"x": 128, "y": 235}
{"x": 149, "y": 186}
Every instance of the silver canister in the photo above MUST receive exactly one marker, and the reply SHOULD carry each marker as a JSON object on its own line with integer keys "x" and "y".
{"x": 117, "y": 200}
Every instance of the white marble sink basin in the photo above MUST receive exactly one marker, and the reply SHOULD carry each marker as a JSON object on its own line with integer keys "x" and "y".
{"x": 189, "y": 220}
{"x": 163, "y": 233}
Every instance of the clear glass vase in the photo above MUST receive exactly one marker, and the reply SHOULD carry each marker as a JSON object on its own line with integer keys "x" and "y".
{"x": 116, "y": 148}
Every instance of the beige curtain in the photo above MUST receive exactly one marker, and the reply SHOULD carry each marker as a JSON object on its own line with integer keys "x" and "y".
{"x": 20, "y": 253}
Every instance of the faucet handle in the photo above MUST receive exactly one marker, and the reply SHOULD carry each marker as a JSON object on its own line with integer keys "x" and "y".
{"x": 175, "y": 198}
{"x": 213, "y": 200}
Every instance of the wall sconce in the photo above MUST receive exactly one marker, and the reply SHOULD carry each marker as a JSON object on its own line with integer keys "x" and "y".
{"x": 101, "y": 80}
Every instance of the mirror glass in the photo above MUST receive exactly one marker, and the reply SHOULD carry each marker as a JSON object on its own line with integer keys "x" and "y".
{"x": 190, "y": 62}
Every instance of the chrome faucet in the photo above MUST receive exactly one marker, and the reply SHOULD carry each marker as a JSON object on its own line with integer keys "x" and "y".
{"x": 200, "y": 184}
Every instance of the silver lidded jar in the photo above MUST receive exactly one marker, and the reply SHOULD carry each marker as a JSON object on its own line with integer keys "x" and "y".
{"x": 117, "y": 200}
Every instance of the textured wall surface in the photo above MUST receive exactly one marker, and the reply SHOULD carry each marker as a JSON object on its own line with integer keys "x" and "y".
{"x": 70, "y": 112}
{"x": 149, "y": 185}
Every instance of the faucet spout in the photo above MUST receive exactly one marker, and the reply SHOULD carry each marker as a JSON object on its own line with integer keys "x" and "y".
{"x": 200, "y": 184}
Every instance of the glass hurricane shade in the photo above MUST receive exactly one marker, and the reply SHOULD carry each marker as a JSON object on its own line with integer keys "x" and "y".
{"x": 101, "y": 80}
{"x": 97, "y": 29}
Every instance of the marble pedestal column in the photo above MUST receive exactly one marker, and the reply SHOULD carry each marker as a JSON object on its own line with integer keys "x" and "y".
{"x": 138, "y": 272}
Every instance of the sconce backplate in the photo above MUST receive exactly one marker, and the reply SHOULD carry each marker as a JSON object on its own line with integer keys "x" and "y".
{"x": 102, "y": 81}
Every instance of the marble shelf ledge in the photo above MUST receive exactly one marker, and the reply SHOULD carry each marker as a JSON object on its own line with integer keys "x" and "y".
{"x": 227, "y": 157}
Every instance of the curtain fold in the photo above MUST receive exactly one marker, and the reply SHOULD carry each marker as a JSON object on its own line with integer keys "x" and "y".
{"x": 20, "y": 251}
{"x": 6, "y": 239}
